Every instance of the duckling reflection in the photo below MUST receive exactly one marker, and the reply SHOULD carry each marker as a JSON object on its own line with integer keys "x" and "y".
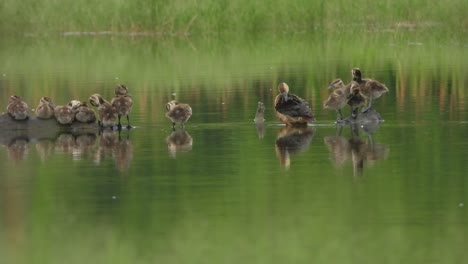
{"x": 112, "y": 145}
{"x": 292, "y": 140}
{"x": 179, "y": 141}
{"x": 18, "y": 148}
{"x": 45, "y": 148}
{"x": 260, "y": 120}
{"x": 84, "y": 144}
{"x": 123, "y": 153}
{"x": 360, "y": 151}
{"x": 107, "y": 141}
{"x": 64, "y": 143}
{"x": 339, "y": 147}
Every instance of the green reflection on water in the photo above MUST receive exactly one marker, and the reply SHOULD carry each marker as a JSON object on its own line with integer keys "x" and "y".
{"x": 228, "y": 197}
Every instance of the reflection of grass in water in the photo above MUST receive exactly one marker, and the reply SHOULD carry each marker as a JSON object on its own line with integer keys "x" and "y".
{"x": 213, "y": 16}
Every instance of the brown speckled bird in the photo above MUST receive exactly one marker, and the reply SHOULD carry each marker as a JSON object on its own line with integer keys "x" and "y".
{"x": 45, "y": 109}
{"x": 64, "y": 114}
{"x": 370, "y": 89}
{"x": 338, "y": 98}
{"x": 17, "y": 108}
{"x": 106, "y": 111}
{"x": 123, "y": 103}
{"x": 178, "y": 113}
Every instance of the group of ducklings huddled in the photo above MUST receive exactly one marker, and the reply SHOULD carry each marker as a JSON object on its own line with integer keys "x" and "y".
{"x": 108, "y": 112}
{"x": 293, "y": 110}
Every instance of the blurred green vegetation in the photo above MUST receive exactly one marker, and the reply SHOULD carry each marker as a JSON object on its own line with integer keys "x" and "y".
{"x": 210, "y": 17}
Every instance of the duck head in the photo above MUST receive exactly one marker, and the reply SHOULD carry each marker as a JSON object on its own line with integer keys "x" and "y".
{"x": 283, "y": 89}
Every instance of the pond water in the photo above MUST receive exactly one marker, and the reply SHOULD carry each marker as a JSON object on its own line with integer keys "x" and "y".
{"x": 225, "y": 190}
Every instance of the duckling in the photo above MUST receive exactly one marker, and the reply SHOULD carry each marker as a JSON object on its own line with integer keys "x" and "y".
{"x": 355, "y": 99}
{"x": 45, "y": 109}
{"x": 260, "y": 114}
{"x": 107, "y": 112}
{"x": 338, "y": 98}
{"x": 123, "y": 103}
{"x": 178, "y": 113}
{"x": 83, "y": 113}
{"x": 64, "y": 114}
{"x": 17, "y": 108}
{"x": 291, "y": 109}
{"x": 370, "y": 89}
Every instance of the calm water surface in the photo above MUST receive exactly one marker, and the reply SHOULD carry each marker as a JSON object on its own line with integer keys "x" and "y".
{"x": 225, "y": 190}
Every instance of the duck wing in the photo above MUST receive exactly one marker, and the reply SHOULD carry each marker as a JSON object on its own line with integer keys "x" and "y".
{"x": 294, "y": 107}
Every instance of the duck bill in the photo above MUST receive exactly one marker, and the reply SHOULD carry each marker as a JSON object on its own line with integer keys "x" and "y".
{"x": 285, "y": 96}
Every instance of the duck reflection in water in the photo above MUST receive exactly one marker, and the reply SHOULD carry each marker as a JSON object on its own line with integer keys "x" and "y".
{"x": 112, "y": 145}
{"x": 18, "y": 148}
{"x": 292, "y": 140}
{"x": 359, "y": 150}
{"x": 260, "y": 120}
{"x": 338, "y": 146}
{"x": 178, "y": 141}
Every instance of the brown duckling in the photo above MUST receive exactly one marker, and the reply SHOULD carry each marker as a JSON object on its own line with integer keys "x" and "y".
{"x": 17, "y": 108}
{"x": 370, "y": 89}
{"x": 338, "y": 98}
{"x": 291, "y": 109}
{"x": 355, "y": 99}
{"x": 64, "y": 114}
{"x": 123, "y": 103}
{"x": 83, "y": 113}
{"x": 45, "y": 109}
{"x": 106, "y": 111}
{"x": 178, "y": 113}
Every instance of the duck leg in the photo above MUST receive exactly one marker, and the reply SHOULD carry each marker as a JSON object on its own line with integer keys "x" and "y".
{"x": 340, "y": 115}
{"x": 354, "y": 112}
{"x": 119, "y": 125}
{"x": 128, "y": 122}
{"x": 368, "y": 106}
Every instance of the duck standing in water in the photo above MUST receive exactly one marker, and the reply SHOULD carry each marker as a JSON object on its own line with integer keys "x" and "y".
{"x": 291, "y": 109}
{"x": 355, "y": 98}
{"x": 83, "y": 113}
{"x": 123, "y": 103}
{"x": 45, "y": 109}
{"x": 17, "y": 108}
{"x": 106, "y": 111}
{"x": 64, "y": 114}
{"x": 370, "y": 89}
{"x": 178, "y": 113}
{"x": 338, "y": 98}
